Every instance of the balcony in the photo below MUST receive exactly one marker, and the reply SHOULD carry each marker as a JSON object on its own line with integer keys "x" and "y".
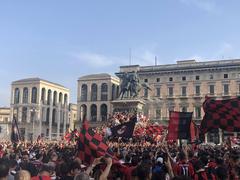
{"x": 197, "y": 96}
{"x": 183, "y": 96}
{"x": 212, "y": 95}
{"x": 170, "y": 96}
{"x": 226, "y": 94}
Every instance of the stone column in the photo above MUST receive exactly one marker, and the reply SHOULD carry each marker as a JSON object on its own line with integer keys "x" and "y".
{"x": 99, "y": 118}
{"x": 40, "y": 115}
{"x": 88, "y": 112}
{"x": 206, "y": 140}
{"x": 58, "y": 120}
{"x": 20, "y": 114}
{"x": 220, "y": 135}
{"x": 99, "y": 92}
{"x": 50, "y": 123}
{"x": 28, "y": 115}
{"x": 65, "y": 118}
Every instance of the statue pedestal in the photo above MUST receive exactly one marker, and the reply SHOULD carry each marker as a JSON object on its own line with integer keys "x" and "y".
{"x": 128, "y": 105}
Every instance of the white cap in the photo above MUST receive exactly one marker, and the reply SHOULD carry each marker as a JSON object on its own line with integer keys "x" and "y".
{"x": 160, "y": 159}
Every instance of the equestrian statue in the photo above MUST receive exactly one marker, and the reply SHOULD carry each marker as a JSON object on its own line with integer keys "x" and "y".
{"x": 131, "y": 86}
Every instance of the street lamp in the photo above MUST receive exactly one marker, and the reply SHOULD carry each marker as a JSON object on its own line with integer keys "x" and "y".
{"x": 33, "y": 111}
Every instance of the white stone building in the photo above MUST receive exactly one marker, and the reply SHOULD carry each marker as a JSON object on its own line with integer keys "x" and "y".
{"x": 5, "y": 128}
{"x": 95, "y": 93}
{"x": 41, "y": 107}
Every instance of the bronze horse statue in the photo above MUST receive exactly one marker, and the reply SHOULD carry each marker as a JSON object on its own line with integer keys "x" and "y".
{"x": 131, "y": 85}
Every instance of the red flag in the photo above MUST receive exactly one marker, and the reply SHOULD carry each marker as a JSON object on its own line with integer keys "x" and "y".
{"x": 92, "y": 145}
{"x": 179, "y": 125}
{"x": 222, "y": 114}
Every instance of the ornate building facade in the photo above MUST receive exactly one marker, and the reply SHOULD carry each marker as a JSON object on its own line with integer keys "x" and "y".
{"x": 95, "y": 93}
{"x": 184, "y": 85}
{"x": 40, "y": 107}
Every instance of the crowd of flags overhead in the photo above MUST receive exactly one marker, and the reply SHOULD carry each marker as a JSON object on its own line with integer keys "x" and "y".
{"x": 224, "y": 114}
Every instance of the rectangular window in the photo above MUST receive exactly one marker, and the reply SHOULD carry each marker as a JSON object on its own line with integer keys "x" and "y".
{"x": 158, "y": 91}
{"x": 170, "y": 91}
{"x": 225, "y": 76}
{"x": 211, "y": 89}
{"x": 197, "y": 90}
{"x": 226, "y": 89}
{"x": 184, "y": 109}
{"x": 170, "y": 79}
{"x": 184, "y": 78}
{"x": 184, "y": 91}
{"x": 145, "y": 93}
{"x": 171, "y": 108}
{"x": 146, "y": 80}
{"x": 211, "y": 76}
{"x": 158, "y": 113}
{"x": 158, "y": 79}
{"x": 6, "y": 119}
{"x": 197, "y": 112}
{"x": 197, "y": 78}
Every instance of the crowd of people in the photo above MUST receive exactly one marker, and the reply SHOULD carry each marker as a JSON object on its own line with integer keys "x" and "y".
{"x": 137, "y": 158}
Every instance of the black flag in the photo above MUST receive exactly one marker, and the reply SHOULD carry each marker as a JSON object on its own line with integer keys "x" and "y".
{"x": 15, "y": 136}
{"x": 125, "y": 129}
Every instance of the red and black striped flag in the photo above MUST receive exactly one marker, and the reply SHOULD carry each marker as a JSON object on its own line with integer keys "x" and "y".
{"x": 179, "y": 125}
{"x": 124, "y": 130}
{"x": 15, "y": 135}
{"x": 91, "y": 145}
{"x": 224, "y": 114}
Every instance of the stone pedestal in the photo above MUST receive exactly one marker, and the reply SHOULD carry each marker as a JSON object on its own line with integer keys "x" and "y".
{"x": 128, "y": 105}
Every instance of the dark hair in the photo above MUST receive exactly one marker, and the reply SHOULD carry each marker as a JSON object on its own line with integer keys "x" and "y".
{"x": 198, "y": 165}
{"x": 181, "y": 155}
{"x": 143, "y": 170}
{"x": 74, "y": 165}
{"x": 64, "y": 168}
{"x": 4, "y": 168}
{"x": 221, "y": 173}
{"x": 30, "y": 168}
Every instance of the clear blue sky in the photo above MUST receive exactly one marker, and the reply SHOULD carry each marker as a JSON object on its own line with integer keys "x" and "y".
{"x": 60, "y": 40}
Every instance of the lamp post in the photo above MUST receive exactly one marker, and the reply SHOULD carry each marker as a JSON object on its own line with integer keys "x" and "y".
{"x": 33, "y": 110}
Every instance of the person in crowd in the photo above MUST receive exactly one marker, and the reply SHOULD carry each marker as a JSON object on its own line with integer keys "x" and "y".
{"x": 22, "y": 175}
{"x": 4, "y": 169}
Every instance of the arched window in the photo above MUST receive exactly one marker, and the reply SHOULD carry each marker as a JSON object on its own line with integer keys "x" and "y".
{"x": 60, "y": 98}
{"x": 24, "y": 114}
{"x": 47, "y": 115}
{"x": 55, "y": 98}
{"x": 65, "y": 99}
{"x": 16, "y": 96}
{"x": 104, "y": 92}
{"x": 104, "y": 112}
{"x": 25, "y": 95}
{"x": 83, "y": 112}
{"x": 94, "y": 92}
{"x": 84, "y": 92}
{"x": 43, "y": 95}
{"x": 113, "y": 92}
{"x": 93, "y": 112}
{"x": 49, "y": 98}
{"x": 54, "y": 116}
{"x": 34, "y": 95}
